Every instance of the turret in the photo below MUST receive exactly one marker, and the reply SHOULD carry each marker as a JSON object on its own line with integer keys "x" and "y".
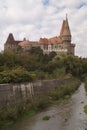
{"x": 10, "y": 43}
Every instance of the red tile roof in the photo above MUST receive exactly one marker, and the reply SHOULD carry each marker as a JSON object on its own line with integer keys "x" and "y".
{"x": 54, "y": 40}
{"x": 44, "y": 41}
{"x": 24, "y": 43}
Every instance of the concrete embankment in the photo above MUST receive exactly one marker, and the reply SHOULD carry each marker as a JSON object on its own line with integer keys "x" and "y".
{"x": 17, "y": 93}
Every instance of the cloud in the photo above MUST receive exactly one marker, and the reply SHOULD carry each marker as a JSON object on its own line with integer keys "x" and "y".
{"x": 43, "y": 18}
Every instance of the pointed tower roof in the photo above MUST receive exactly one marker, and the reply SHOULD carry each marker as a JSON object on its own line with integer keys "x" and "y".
{"x": 10, "y": 38}
{"x": 62, "y": 28}
{"x": 66, "y": 29}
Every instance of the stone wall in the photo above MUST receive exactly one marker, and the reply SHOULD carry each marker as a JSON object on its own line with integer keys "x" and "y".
{"x": 15, "y": 93}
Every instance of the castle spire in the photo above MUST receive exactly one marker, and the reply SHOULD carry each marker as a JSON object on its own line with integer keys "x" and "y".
{"x": 66, "y": 30}
{"x": 62, "y": 28}
{"x": 65, "y": 33}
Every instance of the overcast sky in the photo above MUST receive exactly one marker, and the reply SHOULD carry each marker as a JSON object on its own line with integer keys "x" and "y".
{"x": 43, "y": 18}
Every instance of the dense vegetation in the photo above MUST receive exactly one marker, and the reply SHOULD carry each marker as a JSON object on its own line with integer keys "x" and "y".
{"x": 23, "y": 67}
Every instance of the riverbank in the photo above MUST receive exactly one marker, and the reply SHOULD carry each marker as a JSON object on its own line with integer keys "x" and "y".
{"x": 68, "y": 115}
{"x": 10, "y": 114}
{"x": 85, "y": 83}
{"x": 85, "y": 107}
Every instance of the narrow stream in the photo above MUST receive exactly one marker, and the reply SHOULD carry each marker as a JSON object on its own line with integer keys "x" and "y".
{"x": 68, "y": 115}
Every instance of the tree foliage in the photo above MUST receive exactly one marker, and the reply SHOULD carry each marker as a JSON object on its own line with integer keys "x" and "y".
{"x": 22, "y": 67}
{"x": 16, "y": 75}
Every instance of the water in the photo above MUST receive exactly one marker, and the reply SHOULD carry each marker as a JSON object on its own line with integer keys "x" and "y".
{"x": 68, "y": 115}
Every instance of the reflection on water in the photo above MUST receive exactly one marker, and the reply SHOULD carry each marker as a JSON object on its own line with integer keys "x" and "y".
{"x": 68, "y": 116}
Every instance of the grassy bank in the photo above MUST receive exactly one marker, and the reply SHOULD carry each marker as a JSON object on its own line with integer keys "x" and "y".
{"x": 85, "y": 107}
{"x": 86, "y": 84}
{"x": 64, "y": 91}
{"x": 9, "y": 114}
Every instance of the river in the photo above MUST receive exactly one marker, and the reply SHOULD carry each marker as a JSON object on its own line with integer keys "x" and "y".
{"x": 68, "y": 115}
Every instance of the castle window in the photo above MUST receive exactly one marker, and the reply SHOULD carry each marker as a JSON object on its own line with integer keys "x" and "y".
{"x": 51, "y": 46}
{"x": 56, "y": 46}
{"x": 45, "y": 47}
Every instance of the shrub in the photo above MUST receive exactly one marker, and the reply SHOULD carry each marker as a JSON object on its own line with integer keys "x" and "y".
{"x": 46, "y": 118}
{"x": 64, "y": 89}
{"x": 15, "y": 76}
{"x": 85, "y": 109}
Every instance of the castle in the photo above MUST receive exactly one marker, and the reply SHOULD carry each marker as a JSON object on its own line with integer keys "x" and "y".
{"x": 59, "y": 44}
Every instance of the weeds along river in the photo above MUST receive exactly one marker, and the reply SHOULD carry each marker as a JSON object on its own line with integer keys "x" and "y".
{"x": 68, "y": 115}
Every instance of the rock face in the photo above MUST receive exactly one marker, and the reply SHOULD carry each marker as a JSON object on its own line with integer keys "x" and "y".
{"x": 16, "y": 93}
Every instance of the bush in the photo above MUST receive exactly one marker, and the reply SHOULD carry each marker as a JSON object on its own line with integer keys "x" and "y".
{"x": 15, "y": 76}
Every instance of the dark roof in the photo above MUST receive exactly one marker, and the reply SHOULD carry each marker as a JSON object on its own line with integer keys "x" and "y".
{"x": 34, "y": 42}
{"x": 16, "y": 42}
{"x": 10, "y": 38}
